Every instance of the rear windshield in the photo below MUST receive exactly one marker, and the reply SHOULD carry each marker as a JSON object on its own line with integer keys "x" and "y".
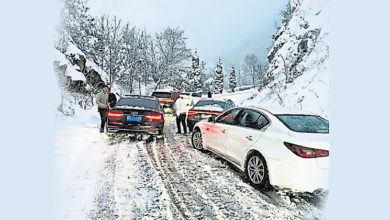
{"x": 185, "y": 93}
{"x": 165, "y": 95}
{"x": 197, "y": 94}
{"x": 211, "y": 103}
{"x": 137, "y": 102}
{"x": 305, "y": 123}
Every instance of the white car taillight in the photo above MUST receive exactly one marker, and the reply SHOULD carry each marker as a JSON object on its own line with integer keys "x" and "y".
{"x": 306, "y": 152}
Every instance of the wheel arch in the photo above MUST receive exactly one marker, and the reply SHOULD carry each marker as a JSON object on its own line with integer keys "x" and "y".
{"x": 196, "y": 127}
{"x": 253, "y": 151}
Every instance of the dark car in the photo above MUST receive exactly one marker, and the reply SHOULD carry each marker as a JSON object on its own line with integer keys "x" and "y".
{"x": 166, "y": 99}
{"x": 136, "y": 114}
{"x": 205, "y": 108}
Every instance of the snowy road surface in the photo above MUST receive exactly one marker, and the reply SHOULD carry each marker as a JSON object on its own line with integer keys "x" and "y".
{"x": 122, "y": 177}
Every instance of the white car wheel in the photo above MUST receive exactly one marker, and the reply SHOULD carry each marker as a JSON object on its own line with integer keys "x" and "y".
{"x": 197, "y": 141}
{"x": 256, "y": 170}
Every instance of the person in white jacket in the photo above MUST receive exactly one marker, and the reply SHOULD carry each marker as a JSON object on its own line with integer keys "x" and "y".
{"x": 181, "y": 107}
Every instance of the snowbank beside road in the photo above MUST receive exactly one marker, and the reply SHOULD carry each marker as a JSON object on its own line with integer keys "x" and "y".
{"x": 79, "y": 152}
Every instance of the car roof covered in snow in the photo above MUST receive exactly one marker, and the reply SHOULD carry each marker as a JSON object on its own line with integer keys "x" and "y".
{"x": 214, "y": 99}
{"x": 282, "y": 111}
{"x": 139, "y": 96}
{"x": 164, "y": 90}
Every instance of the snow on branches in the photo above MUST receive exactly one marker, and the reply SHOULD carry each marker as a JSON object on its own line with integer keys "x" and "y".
{"x": 219, "y": 78}
{"x": 232, "y": 79}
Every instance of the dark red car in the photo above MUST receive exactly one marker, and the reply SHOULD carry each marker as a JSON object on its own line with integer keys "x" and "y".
{"x": 206, "y": 108}
{"x": 166, "y": 99}
{"x": 136, "y": 114}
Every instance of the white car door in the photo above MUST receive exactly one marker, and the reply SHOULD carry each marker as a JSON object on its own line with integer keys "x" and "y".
{"x": 216, "y": 132}
{"x": 245, "y": 133}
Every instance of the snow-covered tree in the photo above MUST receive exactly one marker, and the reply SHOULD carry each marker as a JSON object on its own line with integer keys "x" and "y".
{"x": 250, "y": 66}
{"x": 78, "y": 23}
{"x": 254, "y": 69}
{"x": 113, "y": 55}
{"x": 172, "y": 57}
{"x": 100, "y": 41}
{"x": 232, "y": 79}
{"x": 196, "y": 72}
{"x": 219, "y": 78}
{"x": 126, "y": 53}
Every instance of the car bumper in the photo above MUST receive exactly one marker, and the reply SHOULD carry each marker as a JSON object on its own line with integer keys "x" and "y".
{"x": 300, "y": 174}
{"x": 152, "y": 130}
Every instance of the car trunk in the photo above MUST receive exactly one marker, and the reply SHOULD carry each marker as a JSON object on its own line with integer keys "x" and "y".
{"x": 133, "y": 117}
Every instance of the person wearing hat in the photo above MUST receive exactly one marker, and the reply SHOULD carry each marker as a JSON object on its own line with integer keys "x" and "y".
{"x": 102, "y": 102}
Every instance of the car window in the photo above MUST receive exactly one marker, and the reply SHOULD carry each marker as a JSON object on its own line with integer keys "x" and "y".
{"x": 197, "y": 94}
{"x": 305, "y": 123}
{"x": 206, "y": 102}
{"x": 210, "y": 105}
{"x": 248, "y": 118}
{"x": 166, "y": 95}
{"x": 262, "y": 121}
{"x": 228, "y": 105}
{"x": 138, "y": 102}
{"x": 229, "y": 117}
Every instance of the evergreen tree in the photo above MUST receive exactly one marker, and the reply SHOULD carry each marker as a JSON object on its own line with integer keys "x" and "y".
{"x": 232, "y": 79}
{"x": 219, "y": 78}
{"x": 196, "y": 72}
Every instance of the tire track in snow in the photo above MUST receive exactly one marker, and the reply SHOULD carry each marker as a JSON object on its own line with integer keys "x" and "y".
{"x": 138, "y": 190}
{"x": 169, "y": 155}
{"x": 237, "y": 196}
{"x": 173, "y": 183}
{"x": 135, "y": 189}
{"x": 168, "y": 194}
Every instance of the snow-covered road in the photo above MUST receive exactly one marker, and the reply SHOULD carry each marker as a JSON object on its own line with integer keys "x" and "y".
{"x": 121, "y": 177}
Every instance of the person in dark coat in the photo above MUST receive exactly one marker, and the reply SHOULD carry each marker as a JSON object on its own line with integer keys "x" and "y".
{"x": 112, "y": 99}
{"x": 209, "y": 94}
{"x": 102, "y": 102}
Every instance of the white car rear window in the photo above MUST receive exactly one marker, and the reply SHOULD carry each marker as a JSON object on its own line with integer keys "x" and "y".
{"x": 305, "y": 123}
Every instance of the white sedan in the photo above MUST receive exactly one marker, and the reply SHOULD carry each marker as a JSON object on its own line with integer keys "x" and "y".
{"x": 279, "y": 148}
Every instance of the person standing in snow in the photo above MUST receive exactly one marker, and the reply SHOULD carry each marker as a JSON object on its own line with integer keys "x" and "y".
{"x": 181, "y": 109}
{"x": 209, "y": 94}
{"x": 102, "y": 102}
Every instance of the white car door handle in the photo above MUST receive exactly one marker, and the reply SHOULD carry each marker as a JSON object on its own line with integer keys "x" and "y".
{"x": 249, "y": 138}
{"x": 223, "y": 131}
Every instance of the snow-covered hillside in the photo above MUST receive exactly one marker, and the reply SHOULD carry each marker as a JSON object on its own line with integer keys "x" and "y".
{"x": 298, "y": 70}
{"x": 78, "y": 78}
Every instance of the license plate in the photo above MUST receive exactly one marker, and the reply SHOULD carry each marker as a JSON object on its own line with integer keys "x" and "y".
{"x": 134, "y": 118}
